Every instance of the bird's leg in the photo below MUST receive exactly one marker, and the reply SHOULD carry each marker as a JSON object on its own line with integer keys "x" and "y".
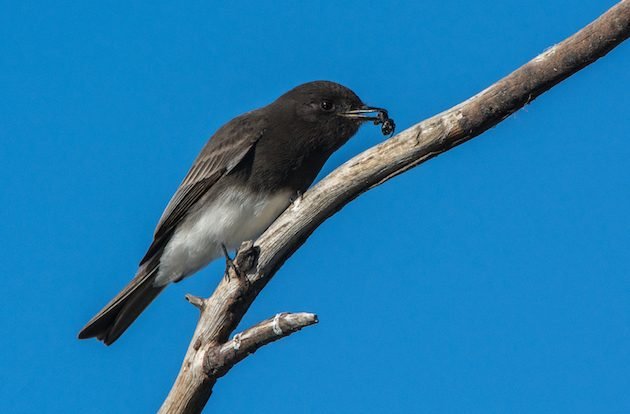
{"x": 229, "y": 263}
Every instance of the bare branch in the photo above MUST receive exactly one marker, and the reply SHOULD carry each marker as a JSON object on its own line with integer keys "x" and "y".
{"x": 248, "y": 341}
{"x": 208, "y": 356}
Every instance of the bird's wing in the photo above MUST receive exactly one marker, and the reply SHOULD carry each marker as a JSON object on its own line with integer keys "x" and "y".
{"x": 225, "y": 150}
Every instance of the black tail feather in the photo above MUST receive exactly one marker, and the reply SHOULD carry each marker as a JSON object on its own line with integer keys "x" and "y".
{"x": 120, "y": 312}
{"x": 132, "y": 308}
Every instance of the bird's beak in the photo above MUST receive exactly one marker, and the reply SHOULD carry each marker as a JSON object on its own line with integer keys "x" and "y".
{"x": 366, "y": 113}
{"x": 369, "y": 113}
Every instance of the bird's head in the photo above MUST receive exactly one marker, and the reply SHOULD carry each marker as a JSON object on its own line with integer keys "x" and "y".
{"x": 333, "y": 109}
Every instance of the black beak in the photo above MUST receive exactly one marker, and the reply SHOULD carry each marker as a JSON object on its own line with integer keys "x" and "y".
{"x": 366, "y": 113}
{"x": 378, "y": 115}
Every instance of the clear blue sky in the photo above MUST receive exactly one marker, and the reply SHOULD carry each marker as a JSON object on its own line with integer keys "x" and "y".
{"x": 493, "y": 279}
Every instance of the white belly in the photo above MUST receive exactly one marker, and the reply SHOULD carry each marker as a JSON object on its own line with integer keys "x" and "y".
{"x": 231, "y": 219}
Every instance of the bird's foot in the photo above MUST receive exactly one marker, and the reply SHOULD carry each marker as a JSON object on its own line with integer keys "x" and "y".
{"x": 229, "y": 263}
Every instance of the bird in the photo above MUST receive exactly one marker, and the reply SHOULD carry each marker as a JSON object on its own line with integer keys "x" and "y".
{"x": 245, "y": 176}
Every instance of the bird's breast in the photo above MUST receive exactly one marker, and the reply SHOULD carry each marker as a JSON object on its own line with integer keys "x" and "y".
{"x": 229, "y": 218}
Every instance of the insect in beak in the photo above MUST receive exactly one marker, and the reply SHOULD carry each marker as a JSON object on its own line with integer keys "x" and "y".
{"x": 378, "y": 115}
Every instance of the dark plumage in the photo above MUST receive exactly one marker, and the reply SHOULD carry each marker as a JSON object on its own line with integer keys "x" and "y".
{"x": 241, "y": 181}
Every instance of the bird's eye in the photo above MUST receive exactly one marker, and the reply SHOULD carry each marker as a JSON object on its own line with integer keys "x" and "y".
{"x": 327, "y": 105}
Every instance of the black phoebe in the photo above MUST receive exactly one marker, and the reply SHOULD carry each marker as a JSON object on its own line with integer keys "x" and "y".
{"x": 242, "y": 180}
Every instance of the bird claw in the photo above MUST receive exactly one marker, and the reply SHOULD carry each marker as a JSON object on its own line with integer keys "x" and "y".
{"x": 229, "y": 263}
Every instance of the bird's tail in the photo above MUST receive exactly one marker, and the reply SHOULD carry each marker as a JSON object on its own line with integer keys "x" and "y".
{"x": 120, "y": 312}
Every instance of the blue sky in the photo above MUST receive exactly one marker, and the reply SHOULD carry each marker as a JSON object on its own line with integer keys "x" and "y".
{"x": 495, "y": 278}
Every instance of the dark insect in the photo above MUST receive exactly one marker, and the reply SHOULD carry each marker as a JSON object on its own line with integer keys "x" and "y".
{"x": 388, "y": 126}
{"x": 367, "y": 114}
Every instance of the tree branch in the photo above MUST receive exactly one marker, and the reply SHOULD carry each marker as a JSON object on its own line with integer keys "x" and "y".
{"x": 210, "y": 354}
{"x": 248, "y": 341}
